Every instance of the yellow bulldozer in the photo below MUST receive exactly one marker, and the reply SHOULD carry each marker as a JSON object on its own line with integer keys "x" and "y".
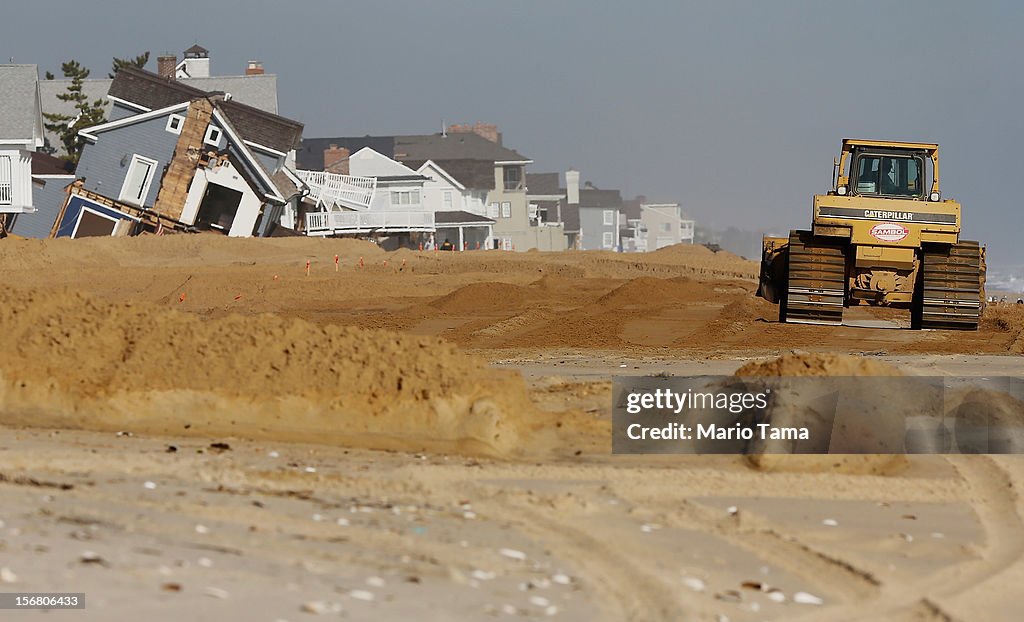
{"x": 882, "y": 236}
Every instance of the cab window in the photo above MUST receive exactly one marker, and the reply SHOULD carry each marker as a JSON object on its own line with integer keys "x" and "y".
{"x": 889, "y": 175}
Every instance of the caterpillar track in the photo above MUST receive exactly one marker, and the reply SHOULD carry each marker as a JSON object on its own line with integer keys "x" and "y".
{"x": 950, "y": 290}
{"x": 816, "y": 281}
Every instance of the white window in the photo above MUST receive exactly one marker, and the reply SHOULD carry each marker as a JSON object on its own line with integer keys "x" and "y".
{"x": 405, "y": 197}
{"x": 175, "y": 123}
{"x": 6, "y": 193}
{"x": 506, "y": 210}
{"x": 493, "y": 210}
{"x": 213, "y": 135}
{"x": 448, "y": 199}
{"x": 608, "y": 240}
{"x": 506, "y": 244}
{"x": 609, "y": 217}
{"x": 137, "y": 181}
{"x": 666, "y": 227}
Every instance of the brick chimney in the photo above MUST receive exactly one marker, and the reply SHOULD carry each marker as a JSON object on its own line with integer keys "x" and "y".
{"x": 336, "y": 160}
{"x": 254, "y": 68}
{"x": 485, "y": 130}
{"x": 165, "y": 64}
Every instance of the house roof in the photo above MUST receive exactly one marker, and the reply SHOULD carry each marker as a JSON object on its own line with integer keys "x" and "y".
{"x": 45, "y": 164}
{"x": 459, "y": 217}
{"x": 453, "y": 146}
{"x": 152, "y": 91}
{"x": 310, "y": 156}
{"x": 430, "y": 165}
{"x": 593, "y": 197}
{"x": 20, "y": 117}
{"x": 543, "y": 183}
{"x": 473, "y": 174}
{"x": 197, "y": 49}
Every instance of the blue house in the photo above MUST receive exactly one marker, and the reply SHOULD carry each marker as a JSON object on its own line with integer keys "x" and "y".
{"x": 176, "y": 157}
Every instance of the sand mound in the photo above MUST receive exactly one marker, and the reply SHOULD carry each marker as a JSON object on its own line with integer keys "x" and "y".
{"x": 68, "y": 360}
{"x": 818, "y": 364}
{"x": 648, "y": 291}
{"x": 483, "y": 297}
{"x": 881, "y": 421}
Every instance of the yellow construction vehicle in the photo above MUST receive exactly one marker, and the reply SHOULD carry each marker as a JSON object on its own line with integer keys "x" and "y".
{"x": 881, "y": 236}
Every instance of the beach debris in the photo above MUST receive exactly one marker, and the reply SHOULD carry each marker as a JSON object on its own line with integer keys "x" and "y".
{"x": 375, "y": 581}
{"x": 7, "y": 575}
{"x": 695, "y": 584}
{"x": 776, "y": 595}
{"x": 550, "y": 610}
{"x": 216, "y": 592}
{"x": 343, "y": 522}
{"x": 319, "y": 607}
{"x": 753, "y": 585}
{"x": 149, "y": 486}
{"x": 171, "y": 587}
{"x": 202, "y": 529}
{"x": 171, "y": 449}
{"x": 317, "y": 517}
{"x": 509, "y": 610}
{"x": 220, "y": 447}
{"x": 907, "y": 537}
{"x": 732, "y": 510}
{"x": 123, "y": 433}
{"x": 469, "y": 515}
{"x": 722, "y": 618}
{"x": 830, "y": 522}
{"x": 807, "y": 599}
{"x": 274, "y": 454}
{"x": 729, "y": 596}
{"x": 649, "y": 527}
{"x": 908, "y": 517}
{"x": 513, "y": 554}
{"x": 364, "y": 595}
{"x": 205, "y": 562}
{"x": 310, "y": 469}
{"x": 561, "y": 579}
{"x": 91, "y": 557}
{"x": 539, "y": 601}
{"x": 483, "y": 575}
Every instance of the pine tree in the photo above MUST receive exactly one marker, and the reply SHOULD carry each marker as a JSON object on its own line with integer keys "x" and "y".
{"x": 88, "y": 113}
{"x": 139, "y": 61}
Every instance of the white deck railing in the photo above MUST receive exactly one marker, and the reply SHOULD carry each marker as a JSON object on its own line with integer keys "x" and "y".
{"x": 330, "y": 223}
{"x": 330, "y": 190}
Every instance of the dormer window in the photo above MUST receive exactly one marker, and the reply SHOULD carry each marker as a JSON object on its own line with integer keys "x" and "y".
{"x": 174, "y": 123}
{"x": 213, "y": 136}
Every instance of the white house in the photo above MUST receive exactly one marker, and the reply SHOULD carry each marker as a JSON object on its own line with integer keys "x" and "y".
{"x": 443, "y": 193}
{"x": 21, "y": 133}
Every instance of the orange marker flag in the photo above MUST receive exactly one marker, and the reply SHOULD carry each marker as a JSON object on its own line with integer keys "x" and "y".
{"x": 360, "y": 262}
{"x": 307, "y": 267}
{"x": 335, "y": 263}
{"x": 181, "y": 298}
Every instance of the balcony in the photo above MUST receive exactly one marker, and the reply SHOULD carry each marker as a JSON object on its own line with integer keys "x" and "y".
{"x": 340, "y": 223}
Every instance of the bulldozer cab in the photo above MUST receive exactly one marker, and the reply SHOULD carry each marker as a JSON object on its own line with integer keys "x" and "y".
{"x": 888, "y": 169}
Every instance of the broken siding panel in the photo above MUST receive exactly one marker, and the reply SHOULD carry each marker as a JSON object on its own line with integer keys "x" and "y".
{"x": 47, "y": 198}
{"x": 101, "y": 167}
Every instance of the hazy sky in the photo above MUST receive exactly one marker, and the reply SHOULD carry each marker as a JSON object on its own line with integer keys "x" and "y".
{"x": 733, "y": 109}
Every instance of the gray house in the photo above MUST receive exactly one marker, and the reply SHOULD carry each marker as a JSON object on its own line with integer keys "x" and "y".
{"x": 177, "y": 157}
{"x": 601, "y": 219}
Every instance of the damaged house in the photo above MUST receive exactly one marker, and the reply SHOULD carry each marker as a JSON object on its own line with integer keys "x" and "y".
{"x": 177, "y": 157}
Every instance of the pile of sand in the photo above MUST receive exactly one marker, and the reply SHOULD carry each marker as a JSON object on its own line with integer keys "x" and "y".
{"x": 487, "y": 296}
{"x": 818, "y": 364}
{"x": 68, "y": 360}
{"x": 653, "y": 292}
{"x": 887, "y": 419}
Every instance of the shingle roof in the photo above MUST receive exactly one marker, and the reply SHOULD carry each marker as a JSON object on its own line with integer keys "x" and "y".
{"x": 310, "y": 156}
{"x": 454, "y": 146}
{"x": 45, "y": 164}
{"x": 543, "y": 183}
{"x": 473, "y": 174}
{"x": 19, "y": 103}
{"x": 592, "y": 197}
{"x": 154, "y": 92}
{"x": 197, "y": 49}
